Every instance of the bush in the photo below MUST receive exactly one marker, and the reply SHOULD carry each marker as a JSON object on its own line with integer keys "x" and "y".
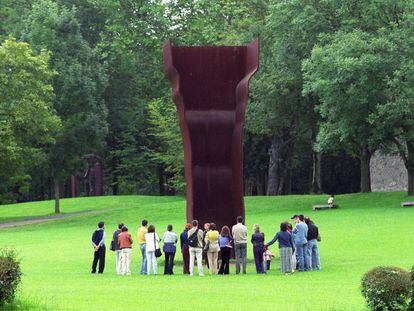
{"x": 386, "y": 288}
{"x": 10, "y": 275}
{"x": 411, "y": 307}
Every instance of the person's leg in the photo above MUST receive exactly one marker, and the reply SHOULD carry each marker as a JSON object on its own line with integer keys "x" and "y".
{"x": 186, "y": 260}
{"x": 172, "y": 255}
{"x": 307, "y": 257}
{"x": 122, "y": 263}
{"x": 144, "y": 259}
{"x": 268, "y": 265}
{"x": 102, "y": 253}
{"x": 238, "y": 257}
{"x": 256, "y": 258}
{"x": 199, "y": 255}
{"x": 210, "y": 262}
{"x": 148, "y": 266}
{"x": 243, "y": 254}
{"x": 221, "y": 270}
{"x": 192, "y": 258}
{"x": 95, "y": 261}
{"x": 215, "y": 262}
{"x": 316, "y": 262}
{"x": 128, "y": 263}
{"x": 301, "y": 249}
{"x": 166, "y": 262}
{"x": 154, "y": 263}
{"x": 227, "y": 260}
{"x": 260, "y": 254}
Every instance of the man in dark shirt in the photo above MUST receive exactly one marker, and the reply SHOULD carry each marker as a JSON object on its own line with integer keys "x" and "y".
{"x": 185, "y": 250}
{"x": 313, "y": 250}
{"x": 98, "y": 243}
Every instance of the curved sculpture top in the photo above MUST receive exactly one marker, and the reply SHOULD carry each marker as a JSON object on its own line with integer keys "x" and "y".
{"x": 210, "y": 90}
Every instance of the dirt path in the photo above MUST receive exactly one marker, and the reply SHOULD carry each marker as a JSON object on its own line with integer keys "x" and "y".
{"x": 25, "y": 222}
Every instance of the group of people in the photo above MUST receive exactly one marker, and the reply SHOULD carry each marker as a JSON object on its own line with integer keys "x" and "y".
{"x": 298, "y": 247}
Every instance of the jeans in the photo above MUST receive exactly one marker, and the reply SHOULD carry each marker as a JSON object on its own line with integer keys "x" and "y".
{"x": 99, "y": 256}
{"x": 302, "y": 256}
{"x": 118, "y": 261}
{"x": 169, "y": 263}
{"x": 196, "y": 252}
{"x": 241, "y": 256}
{"x": 258, "y": 258}
{"x": 144, "y": 260}
{"x": 313, "y": 255}
{"x": 125, "y": 266}
{"x": 151, "y": 261}
{"x": 186, "y": 259}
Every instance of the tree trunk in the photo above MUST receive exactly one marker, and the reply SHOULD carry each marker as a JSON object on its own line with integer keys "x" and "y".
{"x": 365, "y": 170}
{"x": 317, "y": 173}
{"x": 260, "y": 184}
{"x": 57, "y": 196}
{"x": 274, "y": 167}
{"x": 409, "y": 165}
{"x": 410, "y": 181}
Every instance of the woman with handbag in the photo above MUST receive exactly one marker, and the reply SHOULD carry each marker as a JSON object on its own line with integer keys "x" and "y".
{"x": 170, "y": 241}
{"x": 152, "y": 250}
{"x": 212, "y": 248}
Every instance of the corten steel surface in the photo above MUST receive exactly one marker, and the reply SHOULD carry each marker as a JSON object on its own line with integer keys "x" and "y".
{"x": 210, "y": 90}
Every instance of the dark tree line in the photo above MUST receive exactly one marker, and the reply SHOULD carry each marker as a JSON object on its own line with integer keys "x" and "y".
{"x": 335, "y": 85}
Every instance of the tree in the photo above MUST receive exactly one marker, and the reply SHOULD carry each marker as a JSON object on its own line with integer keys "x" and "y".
{"x": 348, "y": 75}
{"x": 28, "y": 123}
{"x": 79, "y": 87}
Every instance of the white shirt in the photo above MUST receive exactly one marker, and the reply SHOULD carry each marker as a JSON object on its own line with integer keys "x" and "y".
{"x": 331, "y": 200}
{"x": 149, "y": 240}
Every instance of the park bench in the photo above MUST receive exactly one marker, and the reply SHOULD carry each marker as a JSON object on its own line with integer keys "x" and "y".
{"x": 407, "y": 204}
{"x": 325, "y": 206}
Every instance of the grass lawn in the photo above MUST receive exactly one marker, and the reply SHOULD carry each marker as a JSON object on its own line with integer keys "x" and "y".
{"x": 368, "y": 230}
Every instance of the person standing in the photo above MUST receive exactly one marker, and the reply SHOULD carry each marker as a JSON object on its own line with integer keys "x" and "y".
{"x": 125, "y": 244}
{"x": 258, "y": 245}
{"x": 286, "y": 247}
{"x": 195, "y": 242}
{"x": 141, "y": 243}
{"x": 331, "y": 201}
{"x": 185, "y": 250}
{"x": 300, "y": 234}
{"x": 267, "y": 258}
{"x": 152, "y": 241}
{"x": 170, "y": 242}
{"x": 313, "y": 250}
{"x": 98, "y": 243}
{"x": 212, "y": 248}
{"x": 206, "y": 229}
{"x": 239, "y": 232}
{"x": 117, "y": 250}
{"x": 225, "y": 241}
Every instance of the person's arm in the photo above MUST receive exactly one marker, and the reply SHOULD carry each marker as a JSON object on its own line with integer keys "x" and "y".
{"x": 292, "y": 243}
{"x": 251, "y": 240}
{"x": 130, "y": 239}
{"x": 181, "y": 241}
{"x": 93, "y": 235}
{"x": 275, "y": 238}
{"x": 175, "y": 238}
{"x": 102, "y": 242}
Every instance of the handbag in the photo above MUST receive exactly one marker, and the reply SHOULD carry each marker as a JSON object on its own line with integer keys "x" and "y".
{"x": 157, "y": 250}
{"x": 112, "y": 246}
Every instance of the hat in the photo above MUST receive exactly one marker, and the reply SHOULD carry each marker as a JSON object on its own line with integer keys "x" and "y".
{"x": 294, "y": 216}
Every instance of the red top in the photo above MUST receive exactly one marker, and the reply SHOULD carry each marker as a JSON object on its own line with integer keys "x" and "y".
{"x": 124, "y": 240}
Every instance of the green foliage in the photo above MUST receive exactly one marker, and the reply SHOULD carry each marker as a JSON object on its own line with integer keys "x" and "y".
{"x": 386, "y": 288}
{"x": 26, "y": 94}
{"x": 79, "y": 84}
{"x": 10, "y": 275}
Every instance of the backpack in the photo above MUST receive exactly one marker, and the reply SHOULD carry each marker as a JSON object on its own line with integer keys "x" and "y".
{"x": 193, "y": 239}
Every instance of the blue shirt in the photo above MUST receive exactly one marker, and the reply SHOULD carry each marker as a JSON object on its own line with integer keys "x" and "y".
{"x": 184, "y": 238}
{"x": 224, "y": 240}
{"x": 300, "y": 233}
{"x": 284, "y": 238}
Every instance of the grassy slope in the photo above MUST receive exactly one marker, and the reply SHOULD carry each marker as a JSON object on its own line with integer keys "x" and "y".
{"x": 368, "y": 230}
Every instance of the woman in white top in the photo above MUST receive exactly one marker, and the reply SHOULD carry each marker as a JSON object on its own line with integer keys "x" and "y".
{"x": 152, "y": 241}
{"x": 170, "y": 242}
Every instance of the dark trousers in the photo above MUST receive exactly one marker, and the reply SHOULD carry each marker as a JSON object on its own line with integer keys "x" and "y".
{"x": 258, "y": 258}
{"x": 99, "y": 256}
{"x": 268, "y": 264}
{"x": 169, "y": 263}
{"x": 186, "y": 259}
{"x": 225, "y": 253}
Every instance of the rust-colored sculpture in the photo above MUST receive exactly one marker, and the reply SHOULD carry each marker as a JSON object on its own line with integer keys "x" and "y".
{"x": 210, "y": 90}
{"x": 92, "y": 177}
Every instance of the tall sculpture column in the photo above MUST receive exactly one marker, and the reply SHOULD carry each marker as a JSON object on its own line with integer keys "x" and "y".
{"x": 210, "y": 91}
